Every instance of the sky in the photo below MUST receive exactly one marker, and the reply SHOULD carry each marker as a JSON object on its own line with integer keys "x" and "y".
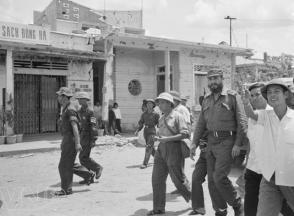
{"x": 263, "y": 25}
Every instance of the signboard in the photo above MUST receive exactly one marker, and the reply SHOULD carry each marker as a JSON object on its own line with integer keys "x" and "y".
{"x": 24, "y": 33}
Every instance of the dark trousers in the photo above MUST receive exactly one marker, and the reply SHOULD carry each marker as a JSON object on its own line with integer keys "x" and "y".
{"x": 82, "y": 171}
{"x": 252, "y": 182}
{"x": 85, "y": 159}
{"x": 168, "y": 160}
{"x": 149, "y": 134}
{"x": 198, "y": 177}
{"x": 118, "y": 124}
{"x": 219, "y": 160}
{"x": 66, "y": 163}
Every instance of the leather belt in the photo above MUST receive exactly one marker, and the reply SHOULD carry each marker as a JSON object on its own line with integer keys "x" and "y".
{"x": 149, "y": 126}
{"x": 222, "y": 133}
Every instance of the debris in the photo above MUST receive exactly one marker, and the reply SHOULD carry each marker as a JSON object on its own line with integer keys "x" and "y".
{"x": 27, "y": 155}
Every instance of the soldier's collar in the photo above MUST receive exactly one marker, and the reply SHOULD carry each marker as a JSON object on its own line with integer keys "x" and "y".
{"x": 224, "y": 93}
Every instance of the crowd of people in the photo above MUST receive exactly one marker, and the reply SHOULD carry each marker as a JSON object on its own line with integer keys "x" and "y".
{"x": 261, "y": 117}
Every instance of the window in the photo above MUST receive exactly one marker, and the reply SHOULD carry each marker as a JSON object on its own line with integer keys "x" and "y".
{"x": 66, "y": 16}
{"x": 66, "y": 5}
{"x": 75, "y": 9}
{"x": 76, "y": 16}
{"x": 135, "y": 87}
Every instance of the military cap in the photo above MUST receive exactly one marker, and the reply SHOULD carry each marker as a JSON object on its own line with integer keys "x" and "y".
{"x": 176, "y": 95}
{"x": 165, "y": 96}
{"x": 82, "y": 95}
{"x": 214, "y": 72}
{"x": 273, "y": 82}
{"x": 256, "y": 85}
{"x": 65, "y": 91}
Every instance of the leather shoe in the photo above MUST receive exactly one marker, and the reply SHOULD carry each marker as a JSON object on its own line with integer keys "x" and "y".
{"x": 99, "y": 172}
{"x": 155, "y": 212}
{"x": 63, "y": 192}
{"x": 195, "y": 212}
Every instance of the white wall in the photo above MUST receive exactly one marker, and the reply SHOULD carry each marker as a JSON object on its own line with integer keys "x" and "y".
{"x": 133, "y": 64}
{"x": 71, "y": 42}
{"x": 211, "y": 58}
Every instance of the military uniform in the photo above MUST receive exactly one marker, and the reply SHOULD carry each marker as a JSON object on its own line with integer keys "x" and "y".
{"x": 149, "y": 120}
{"x": 68, "y": 151}
{"x": 198, "y": 177}
{"x": 225, "y": 120}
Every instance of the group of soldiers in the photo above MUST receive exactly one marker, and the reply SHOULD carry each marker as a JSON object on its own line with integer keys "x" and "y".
{"x": 78, "y": 129}
{"x": 261, "y": 118}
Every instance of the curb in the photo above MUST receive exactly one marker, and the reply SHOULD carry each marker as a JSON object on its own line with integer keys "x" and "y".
{"x": 27, "y": 151}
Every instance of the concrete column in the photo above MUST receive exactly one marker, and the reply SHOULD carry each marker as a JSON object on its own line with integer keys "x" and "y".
{"x": 108, "y": 94}
{"x": 9, "y": 93}
{"x": 167, "y": 70}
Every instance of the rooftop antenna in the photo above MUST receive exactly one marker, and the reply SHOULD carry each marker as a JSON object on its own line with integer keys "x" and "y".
{"x": 104, "y": 11}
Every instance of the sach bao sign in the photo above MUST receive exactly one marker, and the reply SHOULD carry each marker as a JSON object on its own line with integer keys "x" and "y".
{"x": 24, "y": 33}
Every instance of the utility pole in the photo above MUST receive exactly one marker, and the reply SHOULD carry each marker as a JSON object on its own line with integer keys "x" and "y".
{"x": 230, "y": 18}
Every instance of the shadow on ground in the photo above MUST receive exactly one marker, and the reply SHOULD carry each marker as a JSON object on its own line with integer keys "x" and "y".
{"x": 138, "y": 166}
{"x": 74, "y": 184}
{"x": 49, "y": 194}
{"x": 149, "y": 197}
{"x": 143, "y": 212}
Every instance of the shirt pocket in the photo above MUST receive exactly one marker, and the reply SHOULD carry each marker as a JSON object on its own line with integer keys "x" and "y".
{"x": 225, "y": 112}
{"x": 289, "y": 136}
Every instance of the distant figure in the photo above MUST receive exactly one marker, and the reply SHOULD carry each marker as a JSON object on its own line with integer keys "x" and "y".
{"x": 118, "y": 117}
{"x": 97, "y": 109}
{"x": 149, "y": 119}
{"x": 111, "y": 121}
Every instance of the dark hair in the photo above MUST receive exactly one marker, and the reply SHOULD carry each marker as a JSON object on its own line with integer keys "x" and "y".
{"x": 115, "y": 104}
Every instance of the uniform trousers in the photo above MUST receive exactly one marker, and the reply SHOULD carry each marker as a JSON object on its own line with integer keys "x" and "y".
{"x": 149, "y": 134}
{"x": 198, "y": 177}
{"x": 271, "y": 198}
{"x": 86, "y": 161}
{"x": 168, "y": 160}
{"x": 219, "y": 160}
{"x": 66, "y": 163}
{"x": 252, "y": 182}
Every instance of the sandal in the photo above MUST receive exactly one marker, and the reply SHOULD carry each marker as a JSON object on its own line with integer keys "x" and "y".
{"x": 155, "y": 212}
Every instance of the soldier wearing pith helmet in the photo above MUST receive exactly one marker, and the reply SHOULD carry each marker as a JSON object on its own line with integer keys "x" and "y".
{"x": 223, "y": 115}
{"x": 88, "y": 135}
{"x": 70, "y": 144}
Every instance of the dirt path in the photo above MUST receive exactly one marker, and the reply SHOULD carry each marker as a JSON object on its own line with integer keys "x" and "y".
{"x": 27, "y": 183}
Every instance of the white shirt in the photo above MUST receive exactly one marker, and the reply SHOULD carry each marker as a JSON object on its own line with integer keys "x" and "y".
{"x": 277, "y": 146}
{"x": 117, "y": 113}
{"x": 184, "y": 111}
{"x": 254, "y": 134}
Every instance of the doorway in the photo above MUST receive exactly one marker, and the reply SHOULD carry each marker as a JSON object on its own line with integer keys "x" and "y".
{"x": 98, "y": 76}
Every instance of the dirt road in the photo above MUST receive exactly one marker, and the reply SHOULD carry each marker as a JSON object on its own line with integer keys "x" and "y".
{"x": 28, "y": 181}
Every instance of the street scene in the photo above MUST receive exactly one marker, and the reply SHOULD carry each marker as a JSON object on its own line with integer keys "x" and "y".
{"x": 124, "y": 188}
{"x": 147, "y": 107}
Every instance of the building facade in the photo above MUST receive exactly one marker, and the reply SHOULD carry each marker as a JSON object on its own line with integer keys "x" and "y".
{"x": 34, "y": 63}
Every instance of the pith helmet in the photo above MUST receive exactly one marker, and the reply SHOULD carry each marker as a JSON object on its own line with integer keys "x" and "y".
{"x": 176, "y": 95}
{"x": 65, "y": 91}
{"x": 165, "y": 96}
{"x": 273, "y": 82}
{"x": 214, "y": 72}
{"x": 82, "y": 95}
